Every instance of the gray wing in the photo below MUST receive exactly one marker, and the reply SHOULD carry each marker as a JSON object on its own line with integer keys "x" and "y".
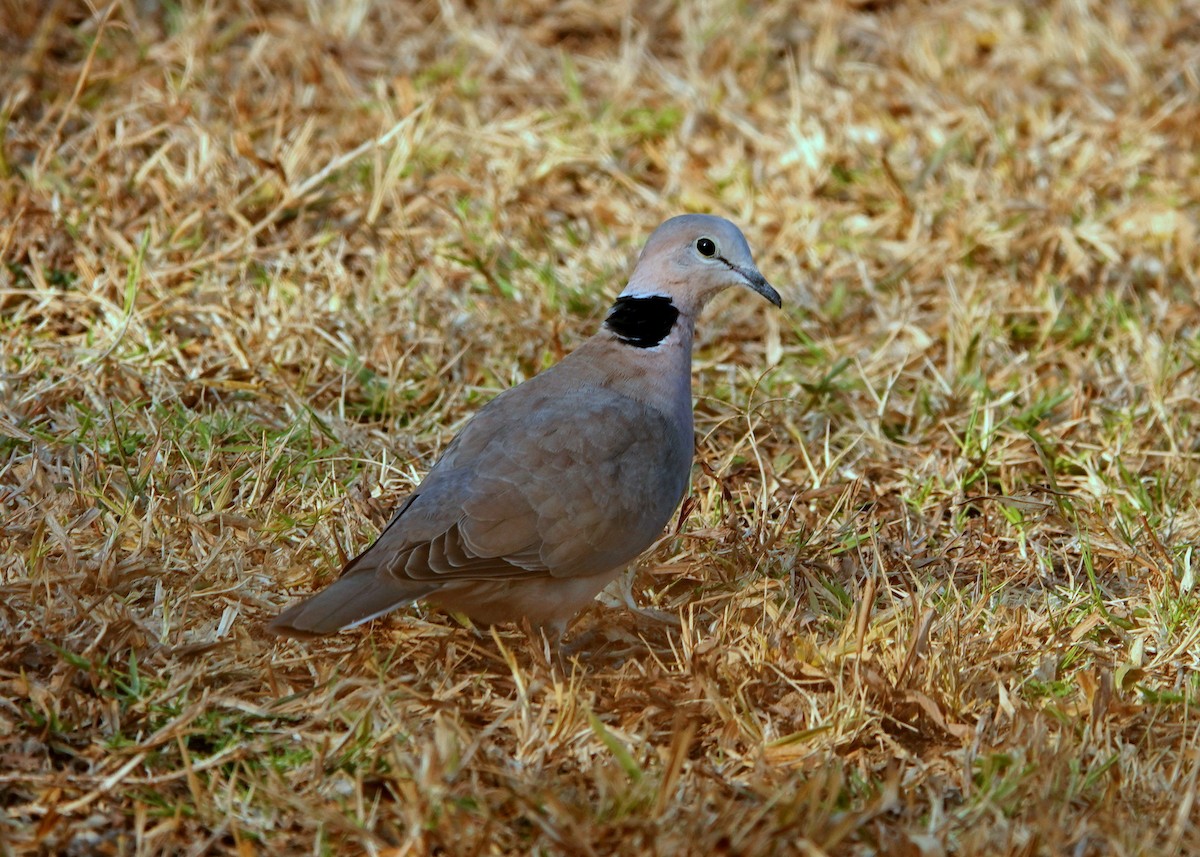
{"x": 540, "y": 482}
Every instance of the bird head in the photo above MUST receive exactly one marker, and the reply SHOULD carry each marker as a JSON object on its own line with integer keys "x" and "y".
{"x": 690, "y": 258}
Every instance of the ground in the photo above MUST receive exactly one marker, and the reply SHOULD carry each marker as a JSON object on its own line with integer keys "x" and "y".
{"x": 934, "y": 590}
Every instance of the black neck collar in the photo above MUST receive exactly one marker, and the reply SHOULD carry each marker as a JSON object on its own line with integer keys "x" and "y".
{"x": 642, "y": 322}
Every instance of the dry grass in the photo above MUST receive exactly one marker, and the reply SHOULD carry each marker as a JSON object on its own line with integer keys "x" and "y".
{"x": 937, "y": 588}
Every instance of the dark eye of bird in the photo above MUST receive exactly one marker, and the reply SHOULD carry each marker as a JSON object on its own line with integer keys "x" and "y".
{"x": 706, "y": 247}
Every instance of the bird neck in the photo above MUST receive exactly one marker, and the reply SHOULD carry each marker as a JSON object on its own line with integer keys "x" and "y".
{"x": 645, "y": 350}
{"x": 642, "y": 321}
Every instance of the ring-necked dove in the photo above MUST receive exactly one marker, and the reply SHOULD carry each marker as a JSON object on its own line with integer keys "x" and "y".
{"x": 558, "y": 483}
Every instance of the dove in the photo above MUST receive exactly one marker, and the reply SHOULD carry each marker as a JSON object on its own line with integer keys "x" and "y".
{"x": 557, "y": 484}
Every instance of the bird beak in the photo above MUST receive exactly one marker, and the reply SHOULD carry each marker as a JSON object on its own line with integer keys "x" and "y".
{"x": 759, "y": 283}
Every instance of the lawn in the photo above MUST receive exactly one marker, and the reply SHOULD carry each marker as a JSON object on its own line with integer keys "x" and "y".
{"x": 934, "y": 589}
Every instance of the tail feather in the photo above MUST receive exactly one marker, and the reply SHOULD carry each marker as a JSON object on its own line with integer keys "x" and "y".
{"x": 349, "y": 601}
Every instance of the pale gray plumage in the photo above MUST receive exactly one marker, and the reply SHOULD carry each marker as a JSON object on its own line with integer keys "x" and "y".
{"x": 558, "y": 483}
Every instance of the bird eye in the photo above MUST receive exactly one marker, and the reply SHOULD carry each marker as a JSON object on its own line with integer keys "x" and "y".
{"x": 706, "y": 247}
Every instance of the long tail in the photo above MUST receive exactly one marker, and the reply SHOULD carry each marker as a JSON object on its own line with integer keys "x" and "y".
{"x": 350, "y": 600}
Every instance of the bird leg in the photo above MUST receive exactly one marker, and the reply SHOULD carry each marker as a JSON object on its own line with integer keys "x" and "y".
{"x": 545, "y": 641}
{"x": 625, "y": 591}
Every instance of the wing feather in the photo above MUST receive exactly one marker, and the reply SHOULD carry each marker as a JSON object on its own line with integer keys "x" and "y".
{"x": 577, "y": 489}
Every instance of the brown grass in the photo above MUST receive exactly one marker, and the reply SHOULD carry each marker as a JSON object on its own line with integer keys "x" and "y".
{"x": 937, "y": 587}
